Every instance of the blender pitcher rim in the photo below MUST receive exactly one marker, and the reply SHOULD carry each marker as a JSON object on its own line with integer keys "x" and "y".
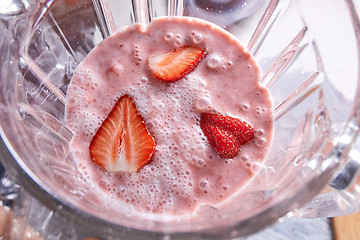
{"x": 36, "y": 186}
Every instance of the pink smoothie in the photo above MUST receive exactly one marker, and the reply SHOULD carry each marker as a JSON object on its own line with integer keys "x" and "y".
{"x": 185, "y": 172}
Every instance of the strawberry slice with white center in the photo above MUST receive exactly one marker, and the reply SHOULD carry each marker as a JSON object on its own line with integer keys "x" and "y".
{"x": 122, "y": 143}
{"x": 174, "y": 65}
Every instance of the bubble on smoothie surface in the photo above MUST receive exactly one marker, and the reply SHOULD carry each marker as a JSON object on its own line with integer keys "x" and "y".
{"x": 203, "y": 103}
{"x": 177, "y": 43}
{"x": 258, "y": 132}
{"x": 168, "y": 36}
{"x": 245, "y": 106}
{"x": 196, "y": 37}
{"x": 244, "y": 158}
{"x": 214, "y": 62}
{"x": 260, "y": 142}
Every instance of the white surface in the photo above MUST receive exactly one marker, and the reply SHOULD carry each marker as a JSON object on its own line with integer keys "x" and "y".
{"x": 296, "y": 229}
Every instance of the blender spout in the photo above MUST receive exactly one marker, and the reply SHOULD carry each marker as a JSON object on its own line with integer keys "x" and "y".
{"x": 348, "y": 176}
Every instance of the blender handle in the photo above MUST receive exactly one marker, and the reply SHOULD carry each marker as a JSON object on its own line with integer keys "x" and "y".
{"x": 350, "y": 170}
{"x": 346, "y": 180}
{"x": 347, "y": 151}
{"x": 343, "y": 194}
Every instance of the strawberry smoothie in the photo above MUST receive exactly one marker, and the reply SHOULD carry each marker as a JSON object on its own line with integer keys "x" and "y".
{"x": 185, "y": 171}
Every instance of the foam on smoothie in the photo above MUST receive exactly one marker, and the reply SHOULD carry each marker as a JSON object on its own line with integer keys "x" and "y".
{"x": 185, "y": 172}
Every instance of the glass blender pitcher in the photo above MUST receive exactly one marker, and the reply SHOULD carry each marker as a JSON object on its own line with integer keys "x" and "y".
{"x": 308, "y": 52}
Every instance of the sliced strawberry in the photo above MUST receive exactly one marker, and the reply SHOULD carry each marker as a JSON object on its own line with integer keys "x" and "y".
{"x": 223, "y": 142}
{"x": 176, "y": 64}
{"x": 122, "y": 143}
{"x": 225, "y": 134}
{"x": 242, "y": 130}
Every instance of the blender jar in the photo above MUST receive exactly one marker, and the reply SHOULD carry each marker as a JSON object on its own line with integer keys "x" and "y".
{"x": 309, "y": 63}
